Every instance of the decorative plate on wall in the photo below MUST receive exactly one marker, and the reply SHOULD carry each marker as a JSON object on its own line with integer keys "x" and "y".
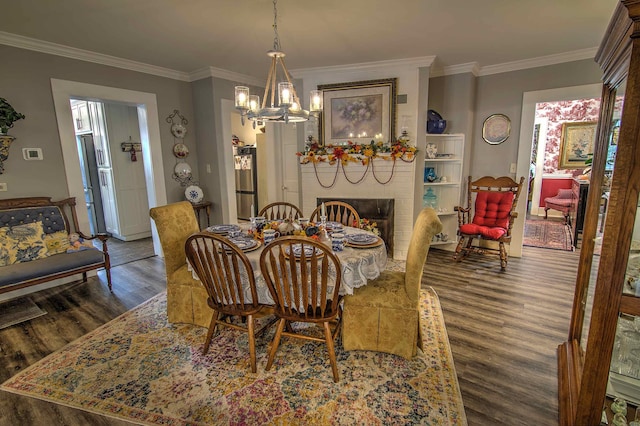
{"x": 194, "y": 193}
{"x": 180, "y": 150}
{"x": 178, "y": 130}
{"x": 182, "y": 170}
{"x": 496, "y": 129}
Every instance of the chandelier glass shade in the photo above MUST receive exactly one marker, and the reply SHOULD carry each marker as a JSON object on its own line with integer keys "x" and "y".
{"x": 280, "y": 102}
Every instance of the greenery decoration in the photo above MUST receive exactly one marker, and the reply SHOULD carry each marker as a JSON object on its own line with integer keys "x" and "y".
{"x": 8, "y": 116}
{"x": 342, "y": 155}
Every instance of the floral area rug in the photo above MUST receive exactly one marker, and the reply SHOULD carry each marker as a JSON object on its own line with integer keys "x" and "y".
{"x": 547, "y": 234}
{"x": 144, "y": 370}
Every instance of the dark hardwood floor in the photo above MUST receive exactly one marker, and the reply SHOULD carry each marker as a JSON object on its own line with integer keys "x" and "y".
{"x": 504, "y": 328}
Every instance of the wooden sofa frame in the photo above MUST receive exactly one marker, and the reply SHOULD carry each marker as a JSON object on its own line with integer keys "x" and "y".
{"x": 68, "y": 211}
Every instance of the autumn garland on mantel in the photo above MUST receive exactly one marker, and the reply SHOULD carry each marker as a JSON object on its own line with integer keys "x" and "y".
{"x": 342, "y": 155}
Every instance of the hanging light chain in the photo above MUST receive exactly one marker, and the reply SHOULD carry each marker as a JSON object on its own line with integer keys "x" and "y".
{"x": 276, "y": 37}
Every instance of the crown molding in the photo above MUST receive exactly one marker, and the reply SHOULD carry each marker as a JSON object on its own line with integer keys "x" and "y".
{"x": 470, "y": 67}
{"x": 207, "y": 72}
{"x": 424, "y": 61}
{"x": 28, "y": 43}
{"x": 542, "y": 61}
{"x": 88, "y": 56}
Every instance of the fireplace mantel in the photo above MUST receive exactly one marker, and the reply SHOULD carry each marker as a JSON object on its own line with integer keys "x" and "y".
{"x": 400, "y": 188}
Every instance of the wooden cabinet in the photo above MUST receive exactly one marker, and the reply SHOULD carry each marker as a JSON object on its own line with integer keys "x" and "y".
{"x": 579, "y": 192}
{"x": 600, "y": 359}
{"x": 442, "y": 179}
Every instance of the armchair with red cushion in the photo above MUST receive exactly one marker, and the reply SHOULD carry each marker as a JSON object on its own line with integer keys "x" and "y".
{"x": 494, "y": 202}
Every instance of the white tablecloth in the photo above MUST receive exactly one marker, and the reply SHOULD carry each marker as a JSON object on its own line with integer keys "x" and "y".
{"x": 358, "y": 266}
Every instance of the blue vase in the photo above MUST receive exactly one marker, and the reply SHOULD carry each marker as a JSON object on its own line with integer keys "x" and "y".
{"x": 430, "y": 199}
{"x": 430, "y": 174}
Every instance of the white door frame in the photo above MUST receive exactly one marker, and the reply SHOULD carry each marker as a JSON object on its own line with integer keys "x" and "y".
{"x": 529, "y": 101}
{"x": 147, "y": 105}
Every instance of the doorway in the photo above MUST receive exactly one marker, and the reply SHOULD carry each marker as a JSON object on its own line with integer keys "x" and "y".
{"x": 527, "y": 125}
{"x": 63, "y": 91}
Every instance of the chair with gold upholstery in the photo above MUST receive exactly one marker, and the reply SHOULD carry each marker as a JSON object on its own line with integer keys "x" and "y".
{"x": 224, "y": 269}
{"x": 337, "y": 211}
{"x": 304, "y": 278}
{"x": 186, "y": 296}
{"x": 281, "y": 210}
{"x": 494, "y": 202}
{"x": 384, "y": 315}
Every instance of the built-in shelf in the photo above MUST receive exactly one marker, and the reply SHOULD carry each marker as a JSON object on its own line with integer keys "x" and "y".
{"x": 447, "y": 193}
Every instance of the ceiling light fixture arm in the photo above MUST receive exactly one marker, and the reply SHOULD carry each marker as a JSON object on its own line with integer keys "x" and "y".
{"x": 287, "y": 107}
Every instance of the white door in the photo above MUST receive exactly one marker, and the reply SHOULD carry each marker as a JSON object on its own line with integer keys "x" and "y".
{"x": 289, "y": 164}
{"x": 109, "y": 201}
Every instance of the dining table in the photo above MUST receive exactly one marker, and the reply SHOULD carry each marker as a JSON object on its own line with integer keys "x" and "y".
{"x": 359, "y": 263}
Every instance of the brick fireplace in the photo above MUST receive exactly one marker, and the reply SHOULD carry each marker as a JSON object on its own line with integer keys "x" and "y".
{"x": 379, "y": 210}
{"x": 399, "y": 191}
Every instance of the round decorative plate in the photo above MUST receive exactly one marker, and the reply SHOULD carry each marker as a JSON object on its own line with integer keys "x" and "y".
{"x": 180, "y": 150}
{"x": 433, "y": 115}
{"x": 194, "y": 194}
{"x": 496, "y": 129}
{"x": 178, "y": 130}
{"x": 182, "y": 170}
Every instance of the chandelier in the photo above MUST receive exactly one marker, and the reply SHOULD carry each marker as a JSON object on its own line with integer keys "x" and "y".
{"x": 288, "y": 108}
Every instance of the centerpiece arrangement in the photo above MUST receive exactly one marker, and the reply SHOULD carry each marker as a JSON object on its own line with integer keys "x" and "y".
{"x": 364, "y": 154}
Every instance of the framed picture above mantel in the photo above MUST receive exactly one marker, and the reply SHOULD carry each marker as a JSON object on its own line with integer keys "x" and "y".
{"x": 359, "y": 111}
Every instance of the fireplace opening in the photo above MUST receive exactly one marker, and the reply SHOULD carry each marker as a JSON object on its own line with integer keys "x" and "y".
{"x": 380, "y": 210}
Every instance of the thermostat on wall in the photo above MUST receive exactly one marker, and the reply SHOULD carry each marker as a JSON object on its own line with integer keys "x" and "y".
{"x": 32, "y": 153}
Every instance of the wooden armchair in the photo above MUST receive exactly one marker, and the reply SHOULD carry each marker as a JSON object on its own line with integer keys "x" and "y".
{"x": 494, "y": 202}
{"x": 281, "y": 210}
{"x": 224, "y": 269}
{"x": 338, "y": 211}
{"x": 305, "y": 288}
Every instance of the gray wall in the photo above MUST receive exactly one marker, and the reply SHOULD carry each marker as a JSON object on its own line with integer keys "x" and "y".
{"x": 25, "y": 82}
{"x": 208, "y": 94}
{"x": 464, "y": 100}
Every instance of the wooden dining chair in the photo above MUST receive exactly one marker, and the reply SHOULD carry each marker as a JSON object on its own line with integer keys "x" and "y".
{"x": 304, "y": 279}
{"x": 281, "y": 210}
{"x": 337, "y": 211}
{"x": 228, "y": 277}
{"x": 384, "y": 315}
{"x": 489, "y": 216}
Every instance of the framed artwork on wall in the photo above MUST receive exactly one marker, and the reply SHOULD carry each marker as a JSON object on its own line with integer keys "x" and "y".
{"x": 576, "y": 145}
{"x": 359, "y": 111}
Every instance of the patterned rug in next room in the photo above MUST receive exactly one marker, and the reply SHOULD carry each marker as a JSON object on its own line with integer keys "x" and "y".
{"x": 547, "y": 233}
{"x": 141, "y": 369}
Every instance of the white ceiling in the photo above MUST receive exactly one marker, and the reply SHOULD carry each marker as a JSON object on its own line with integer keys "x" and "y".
{"x": 234, "y": 35}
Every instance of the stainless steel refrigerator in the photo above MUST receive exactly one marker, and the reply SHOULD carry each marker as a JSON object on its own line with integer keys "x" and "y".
{"x": 246, "y": 181}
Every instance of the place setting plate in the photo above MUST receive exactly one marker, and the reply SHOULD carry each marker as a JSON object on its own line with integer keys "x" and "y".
{"x": 297, "y": 251}
{"x": 246, "y": 244}
{"x": 223, "y": 229}
{"x": 334, "y": 225}
{"x": 362, "y": 240}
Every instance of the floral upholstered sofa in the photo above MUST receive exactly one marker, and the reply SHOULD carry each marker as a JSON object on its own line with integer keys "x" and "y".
{"x": 40, "y": 242}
